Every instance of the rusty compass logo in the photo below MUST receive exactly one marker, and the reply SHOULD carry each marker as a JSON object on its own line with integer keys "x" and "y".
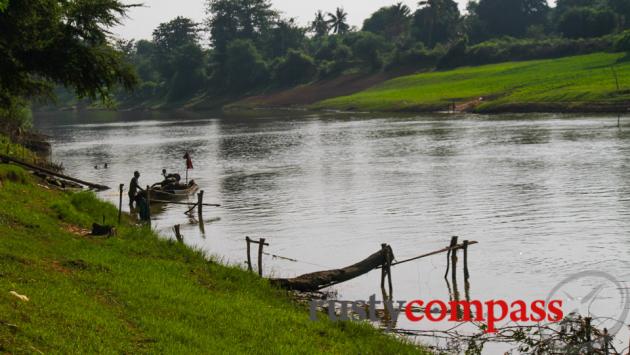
{"x": 595, "y": 294}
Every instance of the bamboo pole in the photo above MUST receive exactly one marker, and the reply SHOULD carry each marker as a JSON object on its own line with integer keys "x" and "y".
{"x": 433, "y": 253}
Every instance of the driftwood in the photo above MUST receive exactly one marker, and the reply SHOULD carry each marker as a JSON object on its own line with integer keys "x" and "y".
{"x": 7, "y": 158}
{"x": 322, "y": 279}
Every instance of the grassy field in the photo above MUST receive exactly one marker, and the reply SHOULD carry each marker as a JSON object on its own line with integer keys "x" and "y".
{"x": 135, "y": 293}
{"x": 581, "y": 83}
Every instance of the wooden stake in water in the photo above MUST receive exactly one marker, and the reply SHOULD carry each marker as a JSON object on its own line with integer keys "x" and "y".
{"x": 466, "y": 273}
{"x": 122, "y": 187}
{"x": 448, "y": 255}
{"x": 200, "y": 204}
{"x": 149, "y": 203}
{"x": 249, "y": 257}
{"x": 261, "y": 244}
{"x": 178, "y": 234}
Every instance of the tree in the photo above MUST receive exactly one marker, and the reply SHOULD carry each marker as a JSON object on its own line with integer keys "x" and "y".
{"x": 177, "y": 56}
{"x": 297, "y": 67}
{"x": 338, "y": 21}
{"x": 511, "y": 17}
{"x": 319, "y": 26}
{"x": 392, "y": 22}
{"x": 176, "y": 33}
{"x": 584, "y": 22}
{"x": 283, "y": 36}
{"x": 436, "y": 21}
{"x": 46, "y": 42}
{"x": 622, "y": 9}
{"x": 230, "y": 20}
{"x": 244, "y": 67}
{"x": 367, "y": 48}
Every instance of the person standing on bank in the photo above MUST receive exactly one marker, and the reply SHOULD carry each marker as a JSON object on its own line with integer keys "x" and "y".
{"x": 134, "y": 187}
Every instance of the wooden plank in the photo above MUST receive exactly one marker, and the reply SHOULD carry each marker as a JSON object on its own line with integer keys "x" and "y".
{"x": 460, "y": 246}
{"x": 185, "y": 203}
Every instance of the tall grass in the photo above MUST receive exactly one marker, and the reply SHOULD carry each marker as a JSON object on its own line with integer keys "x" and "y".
{"x": 135, "y": 293}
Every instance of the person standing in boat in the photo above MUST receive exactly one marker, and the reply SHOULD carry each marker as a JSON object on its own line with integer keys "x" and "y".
{"x": 134, "y": 187}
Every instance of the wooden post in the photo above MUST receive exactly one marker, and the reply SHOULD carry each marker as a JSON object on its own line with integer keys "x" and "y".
{"x": 454, "y": 273}
{"x": 122, "y": 186}
{"x": 178, "y": 234}
{"x": 249, "y": 257}
{"x": 466, "y": 273}
{"x": 587, "y": 326}
{"x": 448, "y": 255}
{"x": 200, "y": 204}
{"x": 606, "y": 347}
{"x": 202, "y": 228}
{"x": 390, "y": 258}
{"x": 386, "y": 269}
{"x": 149, "y": 203}
{"x": 261, "y": 244}
{"x": 383, "y": 268}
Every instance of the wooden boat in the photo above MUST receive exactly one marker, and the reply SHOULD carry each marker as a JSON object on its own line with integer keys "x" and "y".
{"x": 173, "y": 192}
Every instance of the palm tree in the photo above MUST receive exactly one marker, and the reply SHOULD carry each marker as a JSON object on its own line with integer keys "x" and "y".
{"x": 438, "y": 13}
{"x": 400, "y": 14}
{"x": 401, "y": 10}
{"x": 434, "y": 11}
{"x": 320, "y": 25}
{"x": 337, "y": 21}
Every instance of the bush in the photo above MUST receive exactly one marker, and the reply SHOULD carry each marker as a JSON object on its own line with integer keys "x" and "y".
{"x": 622, "y": 44}
{"x": 367, "y": 48}
{"x": 417, "y": 57}
{"x": 511, "y": 49}
{"x": 244, "y": 67}
{"x": 295, "y": 68}
{"x": 456, "y": 55}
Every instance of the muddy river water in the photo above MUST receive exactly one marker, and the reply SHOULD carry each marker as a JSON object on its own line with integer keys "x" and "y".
{"x": 546, "y": 196}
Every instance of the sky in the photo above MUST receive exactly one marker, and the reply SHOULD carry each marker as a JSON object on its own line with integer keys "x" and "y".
{"x": 142, "y": 21}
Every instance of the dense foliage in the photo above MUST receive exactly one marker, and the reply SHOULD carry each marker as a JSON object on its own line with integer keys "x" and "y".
{"x": 48, "y": 42}
{"x": 252, "y": 47}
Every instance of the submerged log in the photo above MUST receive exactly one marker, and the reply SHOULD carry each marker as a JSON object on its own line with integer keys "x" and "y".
{"x": 322, "y": 279}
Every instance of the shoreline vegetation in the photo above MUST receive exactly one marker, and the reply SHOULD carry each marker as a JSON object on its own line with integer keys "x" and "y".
{"x": 136, "y": 292}
{"x": 592, "y": 83}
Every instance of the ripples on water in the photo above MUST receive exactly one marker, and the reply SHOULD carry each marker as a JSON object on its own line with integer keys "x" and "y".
{"x": 545, "y": 195}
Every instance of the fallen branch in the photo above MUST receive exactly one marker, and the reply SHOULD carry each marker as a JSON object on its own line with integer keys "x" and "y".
{"x": 6, "y": 158}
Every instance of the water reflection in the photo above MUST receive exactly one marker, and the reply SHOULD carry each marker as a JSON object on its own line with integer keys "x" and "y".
{"x": 545, "y": 195}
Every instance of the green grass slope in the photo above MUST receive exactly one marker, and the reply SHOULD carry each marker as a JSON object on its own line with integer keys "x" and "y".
{"x": 135, "y": 293}
{"x": 581, "y": 83}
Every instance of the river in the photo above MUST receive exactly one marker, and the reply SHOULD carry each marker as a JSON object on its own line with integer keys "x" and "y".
{"x": 546, "y": 196}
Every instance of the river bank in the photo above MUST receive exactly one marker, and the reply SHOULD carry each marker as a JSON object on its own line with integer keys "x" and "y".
{"x": 593, "y": 83}
{"x": 580, "y": 84}
{"x": 136, "y": 292}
